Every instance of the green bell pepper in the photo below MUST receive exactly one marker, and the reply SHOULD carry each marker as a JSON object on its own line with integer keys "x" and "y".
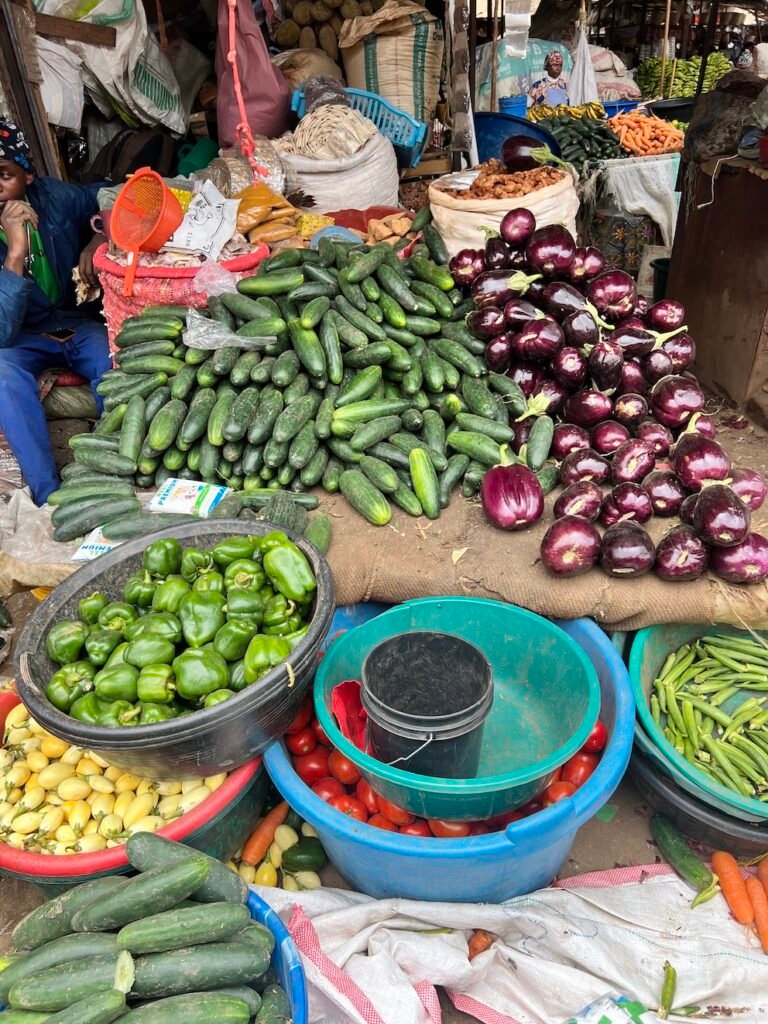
{"x": 244, "y": 574}
{"x": 217, "y": 697}
{"x": 194, "y": 563}
{"x": 65, "y": 641}
{"x": 100, "y": 644}
{"x": 275, "y": 539}
{"x": 267, "y": 592}
{"x": 151, "y": 713}
{"x": 202, "y": 616}
{"x": 117, "y": 683}
{"x": 232, "y": 640}
{"x": 118, "y": 616}
{"x": 89, "y": 607}
{"x": 264, "y": 653}
{"x": 69, "y": 683}
{"x": 139, "y": 590}
{"x": 88, "y": 708}
{"x": 281, "y": 616}
{"x": 210, "y": 582}
{"x": 119, "y": 713}
{"x": 158, "y": 624}
{"x": 163, "y": 557}
{"x": 150, "y": 650}
{"x": 244, "y": 604}
{"x": 237, "y": 675}
{"x": 234, "y": 548}
{"x": 170, "y": 594}
{"x": 156, "y": 685}
{"x": 117, "y": 657}
{"x": 199, "y": 673}
{"x": 294, "y": 639}
{"x": 286, "y": 628}
{"x": 289, "y": 572}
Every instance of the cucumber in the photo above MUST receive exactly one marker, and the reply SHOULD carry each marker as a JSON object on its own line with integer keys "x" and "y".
{"x": 377, "y": 353}
{"x": 342, "y": 450}
{"x": 422, "y": 218}
{"x": 303, "y": 447}
{"x": 362, "y": 412}
{"x": 374, "y": 313}
{"x": 59, "y": 987}
{"x": 249, "y": 996}
{"x": 313, "y": 290}
{"x": 213, "y": 1007}
{"x": 241, "y": 371}
{"x": 197, "y": 968}
{"x": 477, "y": 396}
{"x": 293, "y": 418}
{"x": 364, "y": 497}
{"x": 428, "y": 271}
{"x": 152, "y": 364}
{"x": 141, "y": 524}
{"x": 275, "y": 453}
{"x": 435, "y": 244}
{"x": 262, "y": 373}
{"x": 183, "y": 384}
{"x": 258, "y": 498}
{"x": 75, "y": 492}
{"x": 677, "y": 852}
{"x": 432, "y": 371}
{"x": 450, "y": 477}
{"x": 413, "y": 420}
{"x": 351, "y": 293}
{"x": 219, "y": 416}
{"x": 391, "y": 454}
{"x": 243, "y": 307}
{"x": 146, "y": 348}
{"x": 511, "y": 393}
{"x": 332, "y": 475}
{"x": 174, "y": 459}
{"x": 380, "y": 474}
{"x": 219, "y": 312}
{"x": 364, "y": 266}
{"x": 180, "y": 312}
{"x": 277, "y": 282}
{"x": 270, "y": 406}
{"x": 324, "y": 417}
{"x": 451, "y": 373}
{"x": 166, "y": 424}
{"x": 88, "y": 517}
{"x": 539, "y": 442}
{"x": 205, "y": 376}
{"x": 318, "y": 533}
{"x": 374, "y": 431}
{"x": 370, "y": 289}
{"x": 329, "y": 341}
{"x": 393, "y": 284}
{"x": 400, "y": 360}
{"x": 112, "y": 420}
{"x": 359, "y": 320}
{"x": 441, "y": 302}
{"x": 286, "y": 368}
{"x": 161, "y": 889}
{"x": 223, "y": 360}
{"x": 196, "y": 421}
{"x": 348, "y": 333}
{"x": 549, "y": 478}
{"x": 360, "y": 387}
{"x": 312, "y": 473}
{"x": 99, "y": 442}
{"x": 275, "y": 1006}
{"x": 264, "y": 328}
{"x": 481, "y": 425}
{"x": 405, "y": 499}
{"x": 433, "y": 431}
{"x": 455, "y": 353}
{"x": 65, "y": 949}
{"x": 425, "y": 484}
{"x": 409, "y": 442}
{"x": 241, "y": 412}
{"x": 102, "y": 1008}
{"x": 23, "y": 1017}
{"x": 477, "y": 446}
{"x": 189, "y": 926}
{"x": 307, "y": 347}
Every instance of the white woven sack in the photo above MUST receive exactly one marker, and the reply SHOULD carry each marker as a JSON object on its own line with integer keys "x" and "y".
{"x": 460, "y": 221}
{"x": 367, "y": 178}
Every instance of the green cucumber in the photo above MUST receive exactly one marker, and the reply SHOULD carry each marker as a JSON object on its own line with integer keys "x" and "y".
{"x": 189, "y": 926}
{"x": 432, "y": 371}
{"x": 314, "y": 311}
{"x": 405, "y": 499}
{"x": 539, "y": 442}
{"x": 241, "y": 371}
{"x": 510, "y": 391}
{"x": 146, "y": 348}
{"x": 400, "y": 360}
{"x": 241, "y": 412}
{"x": 477, "y": 396}
{"x": 23, "y": 1017}
{"x": 312, "y": 473}
{"x": 264, "y": 329}
{"x": 677, "y": 852}
{"x": 329, "y": 341}
{"x": 183, "y": 384}
{"x": 101, "y": 1008}
{"x": 99, "y": 442}
{"x": 195, "y": 423}
{"x": 65, "y": 949}
{"x": 425, "y": 483}
{"x": 283, "y": 260}
{"x": 390, "y": 453}
{"x": 313, "y": 290}
{"x": 362, "y": 412}
{"x": 212, "y": 1007}
{"x": 363, "y": 266}
{"x": 435, "y": 244}
{"x": 359, "y": 319}
{"x": 324, "y": 418}
{"x": 370, "y": 289}
{"x": 141, "y": 524}
{"x": 549, "y": 478}
{"x": 209, "y": 460}
{"x": 351, "y": 336}
{"x": 106, "y": 461}
{"x": 450, "y": 477}
{"x": 74, "y": 493}
{"x": 160, "y": 889}
{"x": 318, "y": 533}
{"x": 219, "y": 416}
{"x": 413, "y": 420}
{"x": 59, "y": 987}
{"x": 249, "y": 996}
{"x": 277, "y": 282}
{"x": 205, "y": 375}
{"x": 275, "y": 1006}
{"x": 262, "y": 373}
{"x": 275, "y": 453}
{"x": 307, "y": 346}
{"x": 303, "y": 446}
{"x": 360, "y": 387}
{"x": 223, "y": 360}
{"x": 180, "y": 312}
{"x": 152, "y": 364}
{"x": 377, "y": 353}
{"x": 342, "y": 450}
{"x": 351, "y": 293}
{"x": 219, "y": 312}
{"x": 380, "y": 474}
{"x": 243, "y": 307}
{"x": 393, "y": 284}
{"x": 439, "y": 299}
{"x": 111, "y": 421}
{"x": 433, "y": 431}
{"x": 405, "y": 338}
{"x": 428, "y": 271}
{"x": 253, "y": 459}
{"x": 482, "y": 425}
{"x": 365, "y": 498}
{"x": 88, "y": 516}
{"x": 166, "y": 424}
{"x": 270, "y": 406}
{"x": 293, "y": 417}
{"x": 332, "y": 475}
{"x": 258, "y": 498}
{"x": 477, "y": 446}
{"x": 285, "y": 369}
{"x": 455, "y": 353}
{"x": 197, "y": 968}
{"x": 409, "y": 442}
{"x": 374, "y": 431}
{"x": 423, "y": 326}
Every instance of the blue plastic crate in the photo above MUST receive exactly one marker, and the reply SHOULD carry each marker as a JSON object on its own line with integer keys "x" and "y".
{"x": 613, "y": 107}
{"x": 514, "y": 105}
{"x": 404, "y": 132}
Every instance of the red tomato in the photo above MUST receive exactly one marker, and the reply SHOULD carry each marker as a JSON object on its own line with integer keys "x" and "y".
{"x": 397, "y": 815}
{"x": 349, "y": 806}
{"x": 478, "y": 828}
{"x": 417, "y": 828}
{"x": 303, "y": 742}
{"x": 579, "y": 768}
{"x": 379, "y": 821}
{"x": 366, "y": 795}
{"x": 312, "y": 767}
{"x": 328, "y": 788}
{"x": 501, "y": 821}
{"x": 557, "y": 791}
{"x": 303, "y": 715}
{"x": 319, "y": 731}
{"x": 449, "y": 829}
{"x": 596, "y": 740}
{"x": 342, "y": 768}
{"x": 532, "y": 807}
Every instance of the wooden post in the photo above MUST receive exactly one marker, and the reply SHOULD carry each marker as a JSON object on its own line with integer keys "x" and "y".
{"x": 494, "y": 46}
{"x": 714, "y": 10}
{"x": 666, "y": 40}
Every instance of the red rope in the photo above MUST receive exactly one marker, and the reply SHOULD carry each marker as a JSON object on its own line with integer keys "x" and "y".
{"x": 245, "y": 136}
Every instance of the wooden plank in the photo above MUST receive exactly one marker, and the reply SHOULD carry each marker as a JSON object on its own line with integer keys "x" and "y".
{"x": 79, "y": 31}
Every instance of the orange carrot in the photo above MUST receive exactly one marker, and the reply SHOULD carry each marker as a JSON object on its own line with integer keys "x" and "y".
{"x": 731, "y": 882}
{"x": 263, "y": 835}
{"x": 480, "y": 941}
{"x": 762, "y": 872}
{"x": 759, "y": 901}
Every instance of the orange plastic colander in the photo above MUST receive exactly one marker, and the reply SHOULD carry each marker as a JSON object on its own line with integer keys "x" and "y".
{"x": 145, "y": 215}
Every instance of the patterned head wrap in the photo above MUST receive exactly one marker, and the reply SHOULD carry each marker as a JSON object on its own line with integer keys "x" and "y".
{"x": 553, "y": 59}
{"x": 14, "y": 146}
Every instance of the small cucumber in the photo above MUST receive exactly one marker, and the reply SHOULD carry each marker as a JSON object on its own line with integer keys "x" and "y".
{"x": 63, "y": 950}
{"x": 285, "y": 369}
{"x": 342, "y": 450}
{"x": 293, "y": 418}
{"x": 405, "y": 499}
{"x": 88, "y": 516}
{"x": 197, "y": 968}
{"x": 312, "y": 473}
{"x": 425, "y": 483}
{"x": 270, "y": 406}
{"x": 275, "y": 1006}
{"x": 241, "y": 371}
{"x": 435, "y": 244}
{"x": 360, "y": 387}
{"x": 277, "y": 282}
{"x": 374, "y": 431}
{"x": 392, "y": 283}
{"x": 477, "y": 396}
{"x": 298, "y": 387}
{"x": 477, "y": 446}
{"x": 409, "y": 442}
{"x": 365, "y": 497}
{"x": 539, "y": 442}
{"x": 189, "y": 926}
{"x": 102, "y": 1008}
{"x": 219, "y": 416}
{"x": 241, "y": 412}
{"x": 329, "y": 341}
{"x": 332, "y": 475}
{"x": 458, "y": 356}
{"x": 433, "y": 431}
{"x": 510, "y": 391}
{"x": 303, "y": 446}
{"x": 319, "y": 533}
{"x": 223, "y": 360}
{"x": 314, "y": 311}
{"x": 166, "y": 424}
{"x": 380, "y": 474}
{"x": 307, "y": 346}
{"x": 213, "y": 1007}
{"x": 264, "y": 328}
{"x": 196, "y": 421}
{"x": 141, "y": 524}
{"x": 450, "y": 477}
{"x": 59, "y": 987}
{"x": 481, "y": 425}
{"x": 428, "y": 271}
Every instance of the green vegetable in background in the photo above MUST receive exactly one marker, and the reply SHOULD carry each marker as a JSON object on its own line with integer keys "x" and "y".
{"x": 289, "y": 571}
{"x": 65, "y": 641}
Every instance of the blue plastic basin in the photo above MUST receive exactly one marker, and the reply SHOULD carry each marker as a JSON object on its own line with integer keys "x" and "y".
{"x": 492, "y": 130}
{"x": 285, "y": 958}
{"x": 481, "y": 869}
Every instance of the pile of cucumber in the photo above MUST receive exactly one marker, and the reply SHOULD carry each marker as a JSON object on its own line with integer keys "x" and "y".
{"x": 584, "y": 141}
{"x": 172, "y": 944}
{"x": 364, "y": 380}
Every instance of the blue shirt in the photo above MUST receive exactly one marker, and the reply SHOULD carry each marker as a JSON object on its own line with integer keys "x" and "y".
{"x": 63, "y": 212}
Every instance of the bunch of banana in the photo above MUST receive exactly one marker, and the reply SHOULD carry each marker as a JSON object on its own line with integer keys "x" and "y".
{"x": 586, "y": 111}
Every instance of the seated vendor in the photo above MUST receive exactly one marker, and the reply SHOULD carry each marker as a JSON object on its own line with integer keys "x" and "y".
{"x": 551, "y": 90}
{"x": 41, "y": 224}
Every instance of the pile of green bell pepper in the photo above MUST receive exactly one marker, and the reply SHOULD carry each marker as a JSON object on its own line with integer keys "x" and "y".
{"x": 193, "y": 628}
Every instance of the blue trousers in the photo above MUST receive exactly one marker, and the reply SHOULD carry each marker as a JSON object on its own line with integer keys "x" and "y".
{"x": 22, "y": 418}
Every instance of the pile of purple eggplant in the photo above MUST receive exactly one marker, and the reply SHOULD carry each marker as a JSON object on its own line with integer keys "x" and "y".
{"x": 623, "y": 416}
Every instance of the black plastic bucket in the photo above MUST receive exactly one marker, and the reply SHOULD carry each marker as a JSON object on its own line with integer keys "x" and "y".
{"x": 660, "y": 277}
{"x": 427, "y": 696}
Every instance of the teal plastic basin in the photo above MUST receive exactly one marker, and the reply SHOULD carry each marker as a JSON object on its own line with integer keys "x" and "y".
{"x": 650, "y": 649}
{"x": 546, "y": 701}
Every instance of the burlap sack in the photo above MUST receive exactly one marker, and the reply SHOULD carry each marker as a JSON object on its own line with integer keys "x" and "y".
{"x": 459, "y": 221}
{"x": 396, "y": 53}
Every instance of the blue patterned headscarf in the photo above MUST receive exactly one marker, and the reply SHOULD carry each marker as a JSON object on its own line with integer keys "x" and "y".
{"x": 14, "y": 146}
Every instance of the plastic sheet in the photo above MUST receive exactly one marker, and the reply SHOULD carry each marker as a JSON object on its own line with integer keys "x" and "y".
{"x": 208, "y": 334}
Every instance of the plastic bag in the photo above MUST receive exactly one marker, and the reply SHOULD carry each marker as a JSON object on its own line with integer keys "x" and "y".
{"x": 213, "y": 279}
{"x": 204, "y": 333}
{"x": 322, "y": 90}
{"x": 257, "y": 203}
{"x": 582, "y": 86}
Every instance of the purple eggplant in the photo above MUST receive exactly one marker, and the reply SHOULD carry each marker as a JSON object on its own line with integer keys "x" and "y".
{"x": 627, "y": 550}
{"x": 584, "y": 465}
{"x": 580, "y": 329}
{"x": 665, "y": 492}
{"x": 630, "y": 410}
{"x": 512, "y": 497}
{"x": 627, "y": 502}
{"x": 486, "y": 323}
{"x": 750, "y": 487}
{"x": 526, "y": 376}
{"x": 551, "y": 250}
{"x": 632, "y": 461}
{"x": 548, "y": 398}
{"x": 642, "y": 305}
{"x": 466, "y": 265}
{"x": 570, "y": 546}
{"x": 498, "y": 353}
{"x": 604, "y": 363}
{"x": 681, "y": 349}
{"x": 583, "y": 499}
{"x": 656, "y": 364}
{"x": 517, "y": 226}
{"x": 746, "y": 562}
{"x": 588, "y": 408}
{"x": 632, "y": 380}
{"x": 535, "y": 292}
{"x": 687, "y": 509}
{"x": 631, "y": 322}
{"x": 522, "y": 432}
{"x": 701, "y": 423}
{"x": 524, "y": 153}
{"x": 497, "y": 254}
{"x": 675, "y": 399}
{"x": 540, "y": 340}
{"x": 518, "y": 312}
{"x": 699, "y": 461}
{"x": 634, "y": 341}
{"x": 656, "y": 434}
{"x": 561, "y": 299}
{"x": 569, "y": 368}
{"x": 666, "y": 315}
{"x": 607, "y": 436}
{"x": 613, "y": 294}
{"x": 681, "y": 555}
{"x": 497, "y": 287}
{"x": 587, "y": 263}
{"x": 720, "y": 517}
{"x": 567, "y": 438}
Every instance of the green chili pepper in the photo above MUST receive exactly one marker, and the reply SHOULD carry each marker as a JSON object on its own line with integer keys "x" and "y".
{"x": 289, "y": 572}
{"x": 202, "y": 616}
{"x": 244, "y": 574}
{"x": 140, "y": 589}
{"x": 210, "y": 581}
{"x": 65, "y": 641}
{"x": 195, "y": 563}
{"x": 69, "y": 683}
{"x": 157, "y": 624}
{"x": 264, "y": 653}
{"x": 234, "y": 548}
{"x": 88, "y": 708}
{"x": 245, "y": 604}
{"x": 217, "y": 697}
{"x": 89, "y": 607}
{"x": 119, "y": 713}
{"x": 156, "y": 684}
{"x": 667, "y": 990}
{"x": 117, "y": 683}
{"x": 151, "y": 714}
{"x": 232, "y": 640}
{"x": 118, "y": 616}
{"x": 170, "y": 594}
{"x": 163, "y": 557}
{"x": 100, "y": 644}
{"x": 150, "y": 650}
{"x": 199, "y": 673}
